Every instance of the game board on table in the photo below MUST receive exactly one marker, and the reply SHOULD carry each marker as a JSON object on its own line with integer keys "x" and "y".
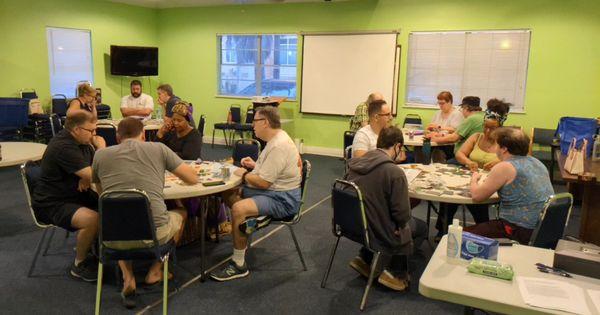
{"x": 440, "y": 179}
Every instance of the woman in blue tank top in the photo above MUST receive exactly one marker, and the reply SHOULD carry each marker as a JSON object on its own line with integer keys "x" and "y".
{"x": 523, "y": 184}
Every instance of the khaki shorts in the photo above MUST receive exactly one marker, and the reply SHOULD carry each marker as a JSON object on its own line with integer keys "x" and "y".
{"x": 164, "y": 233}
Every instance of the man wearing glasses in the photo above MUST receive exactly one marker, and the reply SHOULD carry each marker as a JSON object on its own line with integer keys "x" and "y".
{"x": 62, "y": 196}
{"x": 380, "y": 116}
{"x": 271, "y": 187}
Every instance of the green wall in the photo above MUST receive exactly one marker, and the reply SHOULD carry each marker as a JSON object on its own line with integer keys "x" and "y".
{"x": 564, "y": 67}
{"x": 23, "y": 46}
{"x": 563, "y": 77}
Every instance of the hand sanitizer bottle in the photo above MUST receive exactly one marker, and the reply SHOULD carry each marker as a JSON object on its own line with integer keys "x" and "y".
{"x": 454, "y": 240}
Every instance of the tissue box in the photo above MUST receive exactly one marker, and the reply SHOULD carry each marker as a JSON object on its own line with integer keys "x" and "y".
{"x": 478, "y": 246}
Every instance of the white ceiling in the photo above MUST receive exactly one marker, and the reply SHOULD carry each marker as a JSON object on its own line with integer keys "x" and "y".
{"x": 203, "y": 3}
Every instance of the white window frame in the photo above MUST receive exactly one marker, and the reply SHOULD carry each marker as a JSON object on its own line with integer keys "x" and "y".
{"x": 257, "y": 66}
{"x": 522, "y": 61}
{"x": 69, "y": 93}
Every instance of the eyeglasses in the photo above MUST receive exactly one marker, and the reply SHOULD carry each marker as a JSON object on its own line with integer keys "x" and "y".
{"x": 258, "y": 119}
{"x": 388, "y": 114}
{"x": 92, "y": 131}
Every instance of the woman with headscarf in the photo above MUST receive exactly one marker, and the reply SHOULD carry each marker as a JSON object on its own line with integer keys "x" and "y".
{"x": 181, "y": 137}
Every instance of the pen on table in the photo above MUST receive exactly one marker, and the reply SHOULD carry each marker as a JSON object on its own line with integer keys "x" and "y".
{"x": 547, "y": 269}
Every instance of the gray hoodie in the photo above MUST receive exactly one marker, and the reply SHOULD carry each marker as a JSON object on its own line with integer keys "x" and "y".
{"x": 385, "y": 193}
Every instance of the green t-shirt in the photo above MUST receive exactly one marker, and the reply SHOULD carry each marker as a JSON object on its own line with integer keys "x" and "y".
{"x": 468, "y": 127}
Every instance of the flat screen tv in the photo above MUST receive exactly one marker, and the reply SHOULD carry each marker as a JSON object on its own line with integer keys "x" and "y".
{"x": 133, "y": 61}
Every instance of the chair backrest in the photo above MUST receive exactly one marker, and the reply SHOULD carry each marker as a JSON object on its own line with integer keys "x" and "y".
{"x": 14, "y": 112}
{"x": 412, "y": 120}
{"x": 249, "y": 115}
{"x": 349, "y": 217}
{"x": 553, "y": 221}
{"x": 236, "y": 114}
{"x": 107, "y": 131}
{"x": 103, "y": 111}
{"x": 59, "y": 105}
{"x": 348, "y": 138}
{"x": 542, "y": 136}
{"x": 201, "y": 124}
{"x": 31, "y": 172}
{"x": 243, "y": 148}
{"x": 125, "y": 215}
{"x": 28, "y": 94}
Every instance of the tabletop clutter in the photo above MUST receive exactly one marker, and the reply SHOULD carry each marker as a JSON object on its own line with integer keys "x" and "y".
{"x": 209, "y": 173}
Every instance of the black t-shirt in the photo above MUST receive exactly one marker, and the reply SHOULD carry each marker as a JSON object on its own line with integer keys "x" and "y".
{"x": 82, "y": 105}
{"x": 63, "y": 157}
{"x": 187, "y": 147}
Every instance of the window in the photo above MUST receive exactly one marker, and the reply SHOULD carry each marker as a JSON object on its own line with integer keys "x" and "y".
{"x": 487, "y": 64}
{"x": 70, "y": 59}
{"x": 258, "y": 65}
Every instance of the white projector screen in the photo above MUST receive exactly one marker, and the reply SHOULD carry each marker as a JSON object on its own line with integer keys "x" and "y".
{"x": 340, "y": 71}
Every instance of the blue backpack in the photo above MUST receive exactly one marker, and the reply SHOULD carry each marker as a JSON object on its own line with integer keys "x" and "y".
{"x": 578, "y": 128}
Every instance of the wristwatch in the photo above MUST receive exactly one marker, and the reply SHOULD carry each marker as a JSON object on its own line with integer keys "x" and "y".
{"x": 244, "y": 177}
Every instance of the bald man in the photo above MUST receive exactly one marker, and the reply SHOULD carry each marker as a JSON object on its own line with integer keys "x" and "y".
{"x": 361, "y": 115}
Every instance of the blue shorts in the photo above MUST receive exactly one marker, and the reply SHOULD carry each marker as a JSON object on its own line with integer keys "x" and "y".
{"x": 277, "y": 204}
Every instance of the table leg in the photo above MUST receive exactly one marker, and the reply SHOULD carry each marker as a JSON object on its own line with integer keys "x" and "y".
{"x": 444, "y": 210}
{"x": 590, "y": 214}
{"x": 203, "y": 215}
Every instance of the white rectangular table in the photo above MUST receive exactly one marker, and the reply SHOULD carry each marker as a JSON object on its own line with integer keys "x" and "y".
{"x": 453, "y": 283}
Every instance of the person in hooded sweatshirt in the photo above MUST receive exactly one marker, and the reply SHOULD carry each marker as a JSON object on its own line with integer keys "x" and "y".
{"x": 394, "y": 231}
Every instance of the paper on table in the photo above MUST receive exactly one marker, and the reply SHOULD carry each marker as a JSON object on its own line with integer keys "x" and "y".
{"x": 411, "y": 173}
{"x": 553, "y": 294}
{"x": 595, "y": 295}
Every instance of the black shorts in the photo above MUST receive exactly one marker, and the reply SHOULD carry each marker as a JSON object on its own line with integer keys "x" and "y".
{"x": 61, "y": 213}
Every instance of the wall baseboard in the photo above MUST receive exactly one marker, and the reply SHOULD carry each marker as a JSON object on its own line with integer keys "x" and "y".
{"x": 207, "y": 140}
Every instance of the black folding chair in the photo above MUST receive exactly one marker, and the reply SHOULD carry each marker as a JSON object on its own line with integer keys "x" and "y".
{"x": 103, "y": 111}
{"x": 236, "y": 118}
{"x": 125, "y": 215}
{"x": 30, "y": 174}
{"x": 245, "y": 148}
{"x": 108, "y": 131}
{"x": 553, "y": 221}
{"x": 264, "y": 221}
{"x": 201, "y": 124}
{"x": 60, "y": 105}
{"x": 247, "y": 125}
{"x": 413, "y": 120}
{"x": 28, "y": 94}
{"x": 350, "y": 221}
{"x": 544, "y": 138}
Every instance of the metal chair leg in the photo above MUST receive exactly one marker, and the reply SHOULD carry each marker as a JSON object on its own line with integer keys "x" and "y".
{"x": 225, "y": 137}
{"x": 326, "y": 275}
{"x": 37, "y": 253}
{"x": 297, "y": 247}
{"x": 370, "y": 281}
{"x": 213, "y": 139}
{"x": 49, "y": 241}
{"x": 99, "y": 288}
{"x": 165, "y": 283}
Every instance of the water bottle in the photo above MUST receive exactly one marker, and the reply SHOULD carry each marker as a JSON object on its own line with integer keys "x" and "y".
{"x": 159, "y": 114}
{"x": 595, "y": 151}
{"x": 426, "y": 151}
{"x": 454, "y": 240}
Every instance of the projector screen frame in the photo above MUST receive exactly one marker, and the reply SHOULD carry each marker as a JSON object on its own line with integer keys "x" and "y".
{"x": 396, "y": 71}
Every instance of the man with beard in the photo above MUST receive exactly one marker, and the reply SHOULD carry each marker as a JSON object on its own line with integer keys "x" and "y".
{"x": 137, "y": 105}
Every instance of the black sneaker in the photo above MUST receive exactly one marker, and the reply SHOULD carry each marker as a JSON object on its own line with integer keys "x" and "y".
{"x": 128, "y": 300}
{"x": 230, "y": 271}
{"x": 85, "y": 270}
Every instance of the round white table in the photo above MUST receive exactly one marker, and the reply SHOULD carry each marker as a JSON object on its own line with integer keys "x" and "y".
{"x": 175, "y": 189}
{"x": 150, "y": 124}
{"x": 443, "y": 183}
{"x": 15, "y": 153}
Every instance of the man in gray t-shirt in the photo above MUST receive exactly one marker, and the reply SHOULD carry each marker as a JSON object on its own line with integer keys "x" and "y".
{"x": 142, "y": 165}
{"x": 272, "y": 187}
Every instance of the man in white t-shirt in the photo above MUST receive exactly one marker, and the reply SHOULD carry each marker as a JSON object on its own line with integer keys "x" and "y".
{"x": 380, "y": 116}
{"x": 137, "y": 104}
{"x": 271, "y": 187}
